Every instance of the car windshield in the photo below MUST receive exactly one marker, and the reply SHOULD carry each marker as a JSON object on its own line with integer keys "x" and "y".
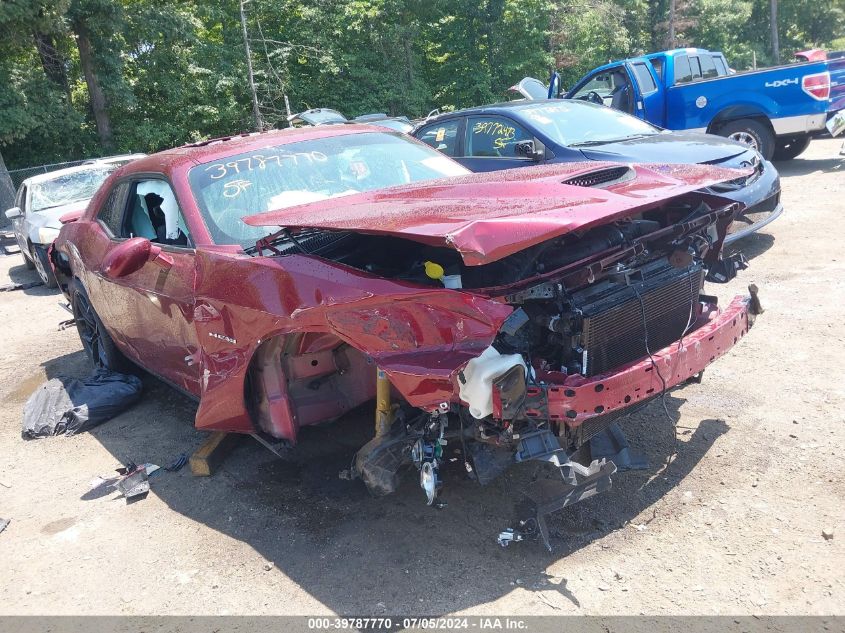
{"x": 276, "y": 177}
{"x": 68, "y": 188}
{"x": 570, "y": 123}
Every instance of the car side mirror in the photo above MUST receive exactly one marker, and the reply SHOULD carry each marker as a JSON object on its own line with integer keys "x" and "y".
{"x": 130, "y": 255}
{"x": 530, "y": 149}
{"x": 14, "y": 212}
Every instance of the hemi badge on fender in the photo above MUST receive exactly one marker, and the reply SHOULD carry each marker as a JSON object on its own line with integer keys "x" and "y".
{"x": 222, "y": 337}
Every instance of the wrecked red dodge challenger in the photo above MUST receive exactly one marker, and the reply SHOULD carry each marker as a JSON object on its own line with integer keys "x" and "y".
{"x": 284, "y": 278}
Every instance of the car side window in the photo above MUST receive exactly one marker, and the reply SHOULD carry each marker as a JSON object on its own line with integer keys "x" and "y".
{"x": 441, "y": 136}
{"x": 695, "y": 65}
{"x": 658, "y": 64}
{"x": 683, "y": 73}
{"x": 601, "y": 83}
{"x": 153, "y": 212}
{"x": 708, "y": 67}
{"x": 721, "y": 68}
{"x": 644, "y": 79}
{"x": 111, "y": 213}
{"x": 494, "y": 137}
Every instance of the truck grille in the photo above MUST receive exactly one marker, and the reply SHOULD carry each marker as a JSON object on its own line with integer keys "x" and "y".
{"x": 612, "y": 331}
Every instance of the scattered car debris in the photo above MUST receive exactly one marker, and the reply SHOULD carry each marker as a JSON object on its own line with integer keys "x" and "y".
{"x": 100, "y": 486}
{"x": 178, "y": 463}
{"x": 21, "y": 286}
{"x": 4, "y": 523}
{"x": 67, "y": 406}
{"x": 827, "y": 534}
{"x": 528, "y": 529}
{"x": 268, "y": 565}
{"x": 134, "y": 483}
{"x": 508, "y": 536}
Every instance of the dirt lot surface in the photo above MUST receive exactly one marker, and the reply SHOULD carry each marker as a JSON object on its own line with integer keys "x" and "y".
{"x": 734, "y": 526}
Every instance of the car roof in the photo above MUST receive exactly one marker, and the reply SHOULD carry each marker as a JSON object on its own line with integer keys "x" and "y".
{"x": 117, "y": 158}
{"x": 205, "y": 151}
{"x": 650, "y": 56}
{"x": 682, "y": 51}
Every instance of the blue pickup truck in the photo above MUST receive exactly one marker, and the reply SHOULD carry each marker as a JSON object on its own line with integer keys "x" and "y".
{"x": 775, "y": 110}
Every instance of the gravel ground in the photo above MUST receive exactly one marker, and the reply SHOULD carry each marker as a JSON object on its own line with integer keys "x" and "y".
{"x": 733, "y": 526}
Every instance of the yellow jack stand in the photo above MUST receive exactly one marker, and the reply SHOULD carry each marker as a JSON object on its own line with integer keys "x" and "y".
{"x": 384, "y": 409}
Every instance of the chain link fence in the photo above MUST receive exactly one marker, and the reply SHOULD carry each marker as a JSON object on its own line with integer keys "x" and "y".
{"x": 19, "y": 175}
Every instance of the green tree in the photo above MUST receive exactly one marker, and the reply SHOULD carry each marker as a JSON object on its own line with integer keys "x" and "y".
{"x": 82, "y": 77}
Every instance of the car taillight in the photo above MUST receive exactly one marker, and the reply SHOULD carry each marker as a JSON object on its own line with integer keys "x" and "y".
{"x": 817, "y": 86}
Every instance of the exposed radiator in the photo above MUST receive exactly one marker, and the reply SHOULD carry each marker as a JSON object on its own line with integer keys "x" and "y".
{"x": 612, "y": 328}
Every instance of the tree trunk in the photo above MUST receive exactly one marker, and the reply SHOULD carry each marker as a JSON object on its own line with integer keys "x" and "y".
{"x": 7, "y": 191}
{"x": 773, "y": 5}
{"x": 672, "y": 37}
{"x": 95, "y": 92}
{"x": 52, "y": 61}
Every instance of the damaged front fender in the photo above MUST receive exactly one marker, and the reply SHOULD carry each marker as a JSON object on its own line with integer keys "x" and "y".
{"x": 420, "y": 337}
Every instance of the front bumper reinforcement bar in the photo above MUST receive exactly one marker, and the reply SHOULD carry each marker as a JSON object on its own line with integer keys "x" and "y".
{"x": 578, "y": 399}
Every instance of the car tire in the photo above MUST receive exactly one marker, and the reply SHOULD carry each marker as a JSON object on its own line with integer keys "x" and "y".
{"x": 790, "y": 147}
{"x": 752, "y": 133}
{"x": 42, "y": 266}
{"x": 27, "y": 261}
{"x": 98, "y": 345}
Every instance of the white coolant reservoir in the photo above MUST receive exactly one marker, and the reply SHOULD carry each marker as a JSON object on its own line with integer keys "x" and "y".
{"x": 477, "y": 388}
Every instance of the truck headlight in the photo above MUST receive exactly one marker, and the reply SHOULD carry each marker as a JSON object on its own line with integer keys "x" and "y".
{"x": 47, "y": 234}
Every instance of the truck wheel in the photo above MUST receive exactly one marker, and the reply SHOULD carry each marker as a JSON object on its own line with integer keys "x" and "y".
{"x": 790, "y": 147}
{"x": 42, "y": 266}
{"x": 98, "y": 345}
{"x": 752, "y": 133}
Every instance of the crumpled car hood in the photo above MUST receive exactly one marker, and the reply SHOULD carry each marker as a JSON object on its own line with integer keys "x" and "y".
{"x": 486, "y": 217}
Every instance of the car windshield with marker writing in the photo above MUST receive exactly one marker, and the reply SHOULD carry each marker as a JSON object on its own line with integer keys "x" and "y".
{"x": 574, "y": 124}
{"x": 287, "y": 175}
